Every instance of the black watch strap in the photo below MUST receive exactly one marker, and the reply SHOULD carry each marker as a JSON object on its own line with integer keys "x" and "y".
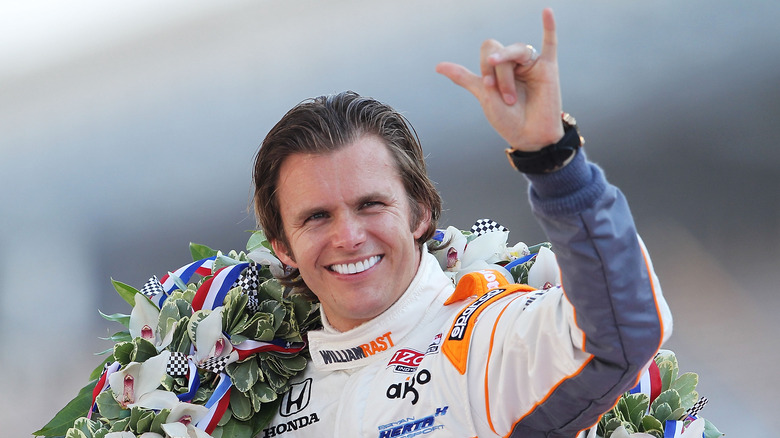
{"x": 551, "y": 157}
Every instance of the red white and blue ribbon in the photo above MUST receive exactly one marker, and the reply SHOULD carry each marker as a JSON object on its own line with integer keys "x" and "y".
{"x": 193, "y": 382}
{"x": 201, "y": 267}
{"x": 211, "y": 294}
{"x": 217, "y": 404}
{"x": 673, "y": 429}
{"x": 102, "y": 384}
{"x": 649, "y": 382}
{"x": 249, "y": 347}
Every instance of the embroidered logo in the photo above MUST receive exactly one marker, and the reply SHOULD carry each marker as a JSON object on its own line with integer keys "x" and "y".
{"x": 371, "y": 348}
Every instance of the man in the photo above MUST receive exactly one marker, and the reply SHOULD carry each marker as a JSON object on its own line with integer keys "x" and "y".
{"x": 342, "y": 194}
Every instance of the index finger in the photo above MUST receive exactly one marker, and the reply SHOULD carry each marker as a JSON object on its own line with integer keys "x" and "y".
{"x": 549, "y": 40}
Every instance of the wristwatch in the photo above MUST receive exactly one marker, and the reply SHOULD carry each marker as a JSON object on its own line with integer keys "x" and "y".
{"x": 551, "y": 157}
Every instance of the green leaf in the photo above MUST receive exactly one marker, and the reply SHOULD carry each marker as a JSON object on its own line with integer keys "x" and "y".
{"x": 637, "y": 407}
{"x": 119, "y": 425}
{"x": 241, "y": 405}
{"x": 236, "y": 429}
{"x": 125, "y": 291}
{"x": 662, "y": 412}
{"x": 257, "y": 240}
{"x": 64, "y": 419}
{"x": 158, "y": 421}
{"x": 123, "y": 352}
{"x": 670, "y": 397}
{"x": 200, "y": 252}
{"x": 196, "y": 318}
{"x": 76, "y": 433}
{"x": 651, "y": 425}
{"x": 108, "y": 406}
{"x": 260, "y": 394}
{"x": 123, "y": 336}
{"x": 710, "y": 431}
{"x": 668, "y": 369}
{"x": 145, "y": 422}
{"x": 686, "y": 387}
{"x": 117, "y": 317}
{"x": 142, "y": 350}
{"x": 244, "y": 375}
{"x": 272, "y": 289}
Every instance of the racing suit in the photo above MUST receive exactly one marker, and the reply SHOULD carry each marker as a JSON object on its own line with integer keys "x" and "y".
{"x": 506, "y": 361}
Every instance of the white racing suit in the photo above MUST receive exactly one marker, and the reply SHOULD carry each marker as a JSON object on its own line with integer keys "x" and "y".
{"x": 509, "y": 363}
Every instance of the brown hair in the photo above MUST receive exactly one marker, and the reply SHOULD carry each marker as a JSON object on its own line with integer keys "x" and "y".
{"x": 328, "y": 123}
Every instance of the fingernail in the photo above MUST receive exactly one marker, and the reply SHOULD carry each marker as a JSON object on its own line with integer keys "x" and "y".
{"x": 509, "y": 98}
{"x": 489, "y": 80}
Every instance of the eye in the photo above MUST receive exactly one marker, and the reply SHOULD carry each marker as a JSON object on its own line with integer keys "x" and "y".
{"x": 370, "y": 204}
{"x": 316, "y": 216}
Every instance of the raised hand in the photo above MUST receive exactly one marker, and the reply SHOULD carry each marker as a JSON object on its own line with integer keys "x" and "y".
{"x": 518, "y": 89}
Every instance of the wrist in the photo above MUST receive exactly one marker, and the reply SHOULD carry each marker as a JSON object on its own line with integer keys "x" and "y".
{"x": 551, "y": 157}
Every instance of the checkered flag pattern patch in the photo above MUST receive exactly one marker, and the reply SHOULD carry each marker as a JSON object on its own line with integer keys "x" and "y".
{"x": 177, "y": 365}
{"x": 483, "y": 226}
{"x": 249, "y": 282}
{"x": 152, "y": 287}
{"x": 215, "y": 364}
{"x": 697, "y": 407}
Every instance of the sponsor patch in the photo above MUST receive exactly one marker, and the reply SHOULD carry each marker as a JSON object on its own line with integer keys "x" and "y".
{"x": 406, "y": 360}
{"x": 296, "y": 398}
{"x": 411, "y": 427}
{"x": 409, "y": 387}
{"x": 289, "y": 426}
{"x": 458, "y": 341}
{"x": 368, "y": 349}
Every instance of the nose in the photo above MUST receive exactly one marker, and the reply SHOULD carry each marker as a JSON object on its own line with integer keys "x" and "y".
{"x": 348, "y": 232}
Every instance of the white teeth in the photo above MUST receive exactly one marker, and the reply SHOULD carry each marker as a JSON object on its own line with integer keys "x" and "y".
{"x": 354, "y": 268}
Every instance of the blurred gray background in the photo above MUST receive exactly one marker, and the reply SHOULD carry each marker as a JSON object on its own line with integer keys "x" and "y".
{"x": 127, "y": 130}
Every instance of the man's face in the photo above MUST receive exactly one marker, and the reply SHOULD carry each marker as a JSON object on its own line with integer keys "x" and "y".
{"x": 347, "y": 219}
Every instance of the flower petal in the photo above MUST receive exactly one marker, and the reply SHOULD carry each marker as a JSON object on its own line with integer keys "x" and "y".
{"x": 151, "y": 373}
{"x": 157, "y": 399}
{"x": 544, "y": 270}
{"x": 144, "y": 313}
{"x": 176, "y": 430}
{"x": 486, "y": 247}
{"x": 197, "y": 412}
{"x": 208, "y": 332}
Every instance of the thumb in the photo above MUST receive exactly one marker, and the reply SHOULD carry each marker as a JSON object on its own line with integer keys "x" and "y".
{"x": 460, "y": 75}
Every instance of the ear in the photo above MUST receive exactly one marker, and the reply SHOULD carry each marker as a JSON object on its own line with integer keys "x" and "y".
{"x": 284, "y": 254}
{"x": 425, "y": 222}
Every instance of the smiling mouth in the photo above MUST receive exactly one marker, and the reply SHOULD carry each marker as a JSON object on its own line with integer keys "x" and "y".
{"x": 355, "y": 268}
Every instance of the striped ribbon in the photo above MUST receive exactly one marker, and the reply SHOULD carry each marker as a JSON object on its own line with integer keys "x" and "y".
{"x": 649, "y": 382}
{"x": 200, "y": 267}
{"x": 193, "y": 382}
{"x": 249, "y": 347}
{"x": 102, "y": 384}
{"x": 211, "y": 293}
{"x": 217, "y": 404}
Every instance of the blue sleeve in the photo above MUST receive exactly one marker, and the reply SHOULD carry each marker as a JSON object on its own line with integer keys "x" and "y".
{"x": 609, "y": 282}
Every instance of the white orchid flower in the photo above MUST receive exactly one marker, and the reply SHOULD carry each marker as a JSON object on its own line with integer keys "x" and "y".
{"x": 545, "y": 272}
{"x": 461, "y": 256}
{"x": 144, "y": 323}
{"x": 517, "y": 251}
{"x": 263, "y": 256}
{"x": 150, "y": 435}
{"x": 488, "y": 247}
{"x": 182, "y": 419}
{"x": 210, "y": 341}
{"x": 137, "y": 383}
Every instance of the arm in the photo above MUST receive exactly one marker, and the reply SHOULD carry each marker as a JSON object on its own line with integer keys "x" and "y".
{"x": 619, "y": 312}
